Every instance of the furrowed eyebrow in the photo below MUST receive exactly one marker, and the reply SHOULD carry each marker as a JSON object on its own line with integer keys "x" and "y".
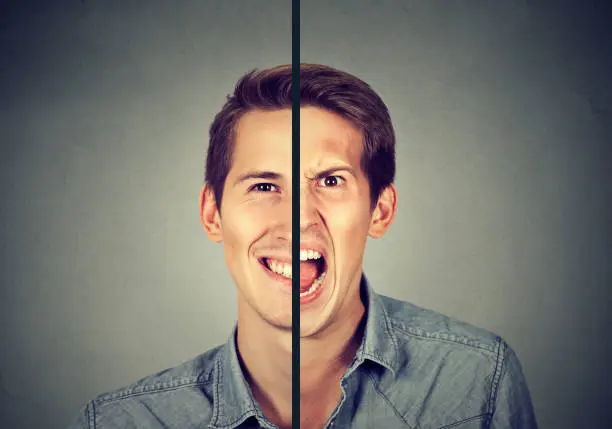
{"x": 330, "y": 171}
{"x": 264, "y": 175}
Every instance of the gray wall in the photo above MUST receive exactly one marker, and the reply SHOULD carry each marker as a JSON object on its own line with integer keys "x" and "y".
{"x": 502, "y": 117}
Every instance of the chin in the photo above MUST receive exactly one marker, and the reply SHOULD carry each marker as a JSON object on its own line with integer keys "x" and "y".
{"x": 261, "y": 305}
{"x": 317, "y": 314}
{"x": 277, "y": 319}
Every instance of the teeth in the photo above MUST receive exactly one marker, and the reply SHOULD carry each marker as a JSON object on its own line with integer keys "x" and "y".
{"x": 281, "y": 268}
{"x": 309, "y": 254}
{"x": 285, "y": 269}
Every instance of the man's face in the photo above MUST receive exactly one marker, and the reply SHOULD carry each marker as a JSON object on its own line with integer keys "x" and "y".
{"x": 335, "y": 217}
{"x": 255, "y": 220}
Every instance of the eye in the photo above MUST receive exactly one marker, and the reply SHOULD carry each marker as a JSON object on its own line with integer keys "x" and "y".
{"x": 330, "y": 181}
{"x": 264, "y": 187}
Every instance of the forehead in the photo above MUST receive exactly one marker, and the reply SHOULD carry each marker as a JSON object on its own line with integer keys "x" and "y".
{"x": 263, "y": 139}
{"x": 257, "y": 129}
{"x": 326, "y": 137}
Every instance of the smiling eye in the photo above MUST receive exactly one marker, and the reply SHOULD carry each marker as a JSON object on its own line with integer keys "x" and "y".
{"x": 330, "y": 181}
{"x": 264, "y": 187}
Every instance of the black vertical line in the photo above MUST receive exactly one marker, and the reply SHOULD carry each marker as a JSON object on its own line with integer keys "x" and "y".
{"x": 295, "y": 213}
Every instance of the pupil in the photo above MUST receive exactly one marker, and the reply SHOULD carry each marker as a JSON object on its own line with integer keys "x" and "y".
{"x": 331, "y": 181}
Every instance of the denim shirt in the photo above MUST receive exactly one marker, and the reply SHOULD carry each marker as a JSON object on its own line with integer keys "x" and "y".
{"x": 415, "y": 368}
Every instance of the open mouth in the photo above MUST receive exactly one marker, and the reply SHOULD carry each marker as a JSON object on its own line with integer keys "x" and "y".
{"x": 313, "y": 268}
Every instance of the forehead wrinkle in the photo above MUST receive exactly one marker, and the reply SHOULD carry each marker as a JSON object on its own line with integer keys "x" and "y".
{"x": 333, "y": 153}
{"x": 326, "y": 163}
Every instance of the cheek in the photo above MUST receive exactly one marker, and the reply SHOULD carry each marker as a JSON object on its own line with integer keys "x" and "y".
{"x": 244, "y": 224}
{"x": 238, "y": 232}
{"x": 348, "y": 225}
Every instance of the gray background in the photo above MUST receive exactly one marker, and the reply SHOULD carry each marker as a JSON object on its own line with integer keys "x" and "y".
{"x": 502, "y": 113}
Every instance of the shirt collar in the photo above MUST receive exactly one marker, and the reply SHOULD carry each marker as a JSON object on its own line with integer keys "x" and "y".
{"x": 233, "y": 400}
{"x": 379, "y": 343}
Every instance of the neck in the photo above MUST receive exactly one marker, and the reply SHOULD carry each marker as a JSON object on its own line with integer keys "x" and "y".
{"x": 325, "y": 357}
{"x": 265, "y": 354}
{"x": 266, "y": 358}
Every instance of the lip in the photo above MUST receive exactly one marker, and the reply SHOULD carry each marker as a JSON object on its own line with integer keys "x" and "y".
{"x": 276, "y": 277}
{"x": 316, "y": 247}
{"x": 305, "y": 300}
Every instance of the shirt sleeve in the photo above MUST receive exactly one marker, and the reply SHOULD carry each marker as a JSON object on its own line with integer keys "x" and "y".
{"x": 512, "y": 407}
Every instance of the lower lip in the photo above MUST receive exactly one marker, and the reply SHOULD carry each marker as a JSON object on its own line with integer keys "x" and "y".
{"x": 277, "y": 277}
{"x": 304, "y": 300}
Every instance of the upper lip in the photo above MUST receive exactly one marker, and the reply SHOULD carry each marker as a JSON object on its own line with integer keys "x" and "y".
{"x": 284, "y": 256}
{"x": 317, "y": 247}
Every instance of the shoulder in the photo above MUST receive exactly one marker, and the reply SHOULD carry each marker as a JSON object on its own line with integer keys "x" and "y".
{"x": 194, "y": 372}
{"x": 411, "y": 323}
{"x": 443, "y": 356}
{"x": 159, "y": 399}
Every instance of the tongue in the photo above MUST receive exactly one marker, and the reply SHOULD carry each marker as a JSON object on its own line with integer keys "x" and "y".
{"x": 308, "y": 274}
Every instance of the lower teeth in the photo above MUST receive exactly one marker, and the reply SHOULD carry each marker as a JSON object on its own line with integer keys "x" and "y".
{"x": 315, "y": 285}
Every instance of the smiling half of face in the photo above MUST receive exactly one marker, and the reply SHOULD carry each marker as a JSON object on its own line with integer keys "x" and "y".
{"x": 336, "y": 217}
{"x": 254, "y": 223}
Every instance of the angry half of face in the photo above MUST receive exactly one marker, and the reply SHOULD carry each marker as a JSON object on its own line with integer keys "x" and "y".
{"x": 336, "y": 218}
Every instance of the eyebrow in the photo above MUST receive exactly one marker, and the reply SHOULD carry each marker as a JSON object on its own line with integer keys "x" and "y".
{"x": 256, "y": 174}
{"x": 328, "y": 172}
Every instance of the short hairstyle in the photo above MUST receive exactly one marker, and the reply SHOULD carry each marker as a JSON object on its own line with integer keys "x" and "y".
{"x": 320, "y": 86}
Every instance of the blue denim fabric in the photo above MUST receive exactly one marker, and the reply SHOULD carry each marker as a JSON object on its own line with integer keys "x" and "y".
{"x": 415, "y": 368}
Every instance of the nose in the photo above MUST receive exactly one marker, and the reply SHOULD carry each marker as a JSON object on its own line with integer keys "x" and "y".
{"x": 309, "y": 213}
{"x": 279, "y": 219}
{"x": 283, "y": 212}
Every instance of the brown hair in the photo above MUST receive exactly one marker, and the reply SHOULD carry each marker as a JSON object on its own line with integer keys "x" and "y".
{"x": 320, "y": 86}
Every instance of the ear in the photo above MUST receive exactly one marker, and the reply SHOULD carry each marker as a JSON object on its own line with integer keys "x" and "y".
{"x": 384, "y": 212}
{"x": 209, "y": 214}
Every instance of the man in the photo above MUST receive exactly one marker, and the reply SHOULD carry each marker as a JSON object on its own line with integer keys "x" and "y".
{"x": 367, "y": 361}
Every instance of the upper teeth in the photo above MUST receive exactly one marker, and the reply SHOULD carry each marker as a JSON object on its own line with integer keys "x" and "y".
{"x": 285, "y": 269}
{"x": 280, "y": 268}
{"x": 309, "y": 254}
